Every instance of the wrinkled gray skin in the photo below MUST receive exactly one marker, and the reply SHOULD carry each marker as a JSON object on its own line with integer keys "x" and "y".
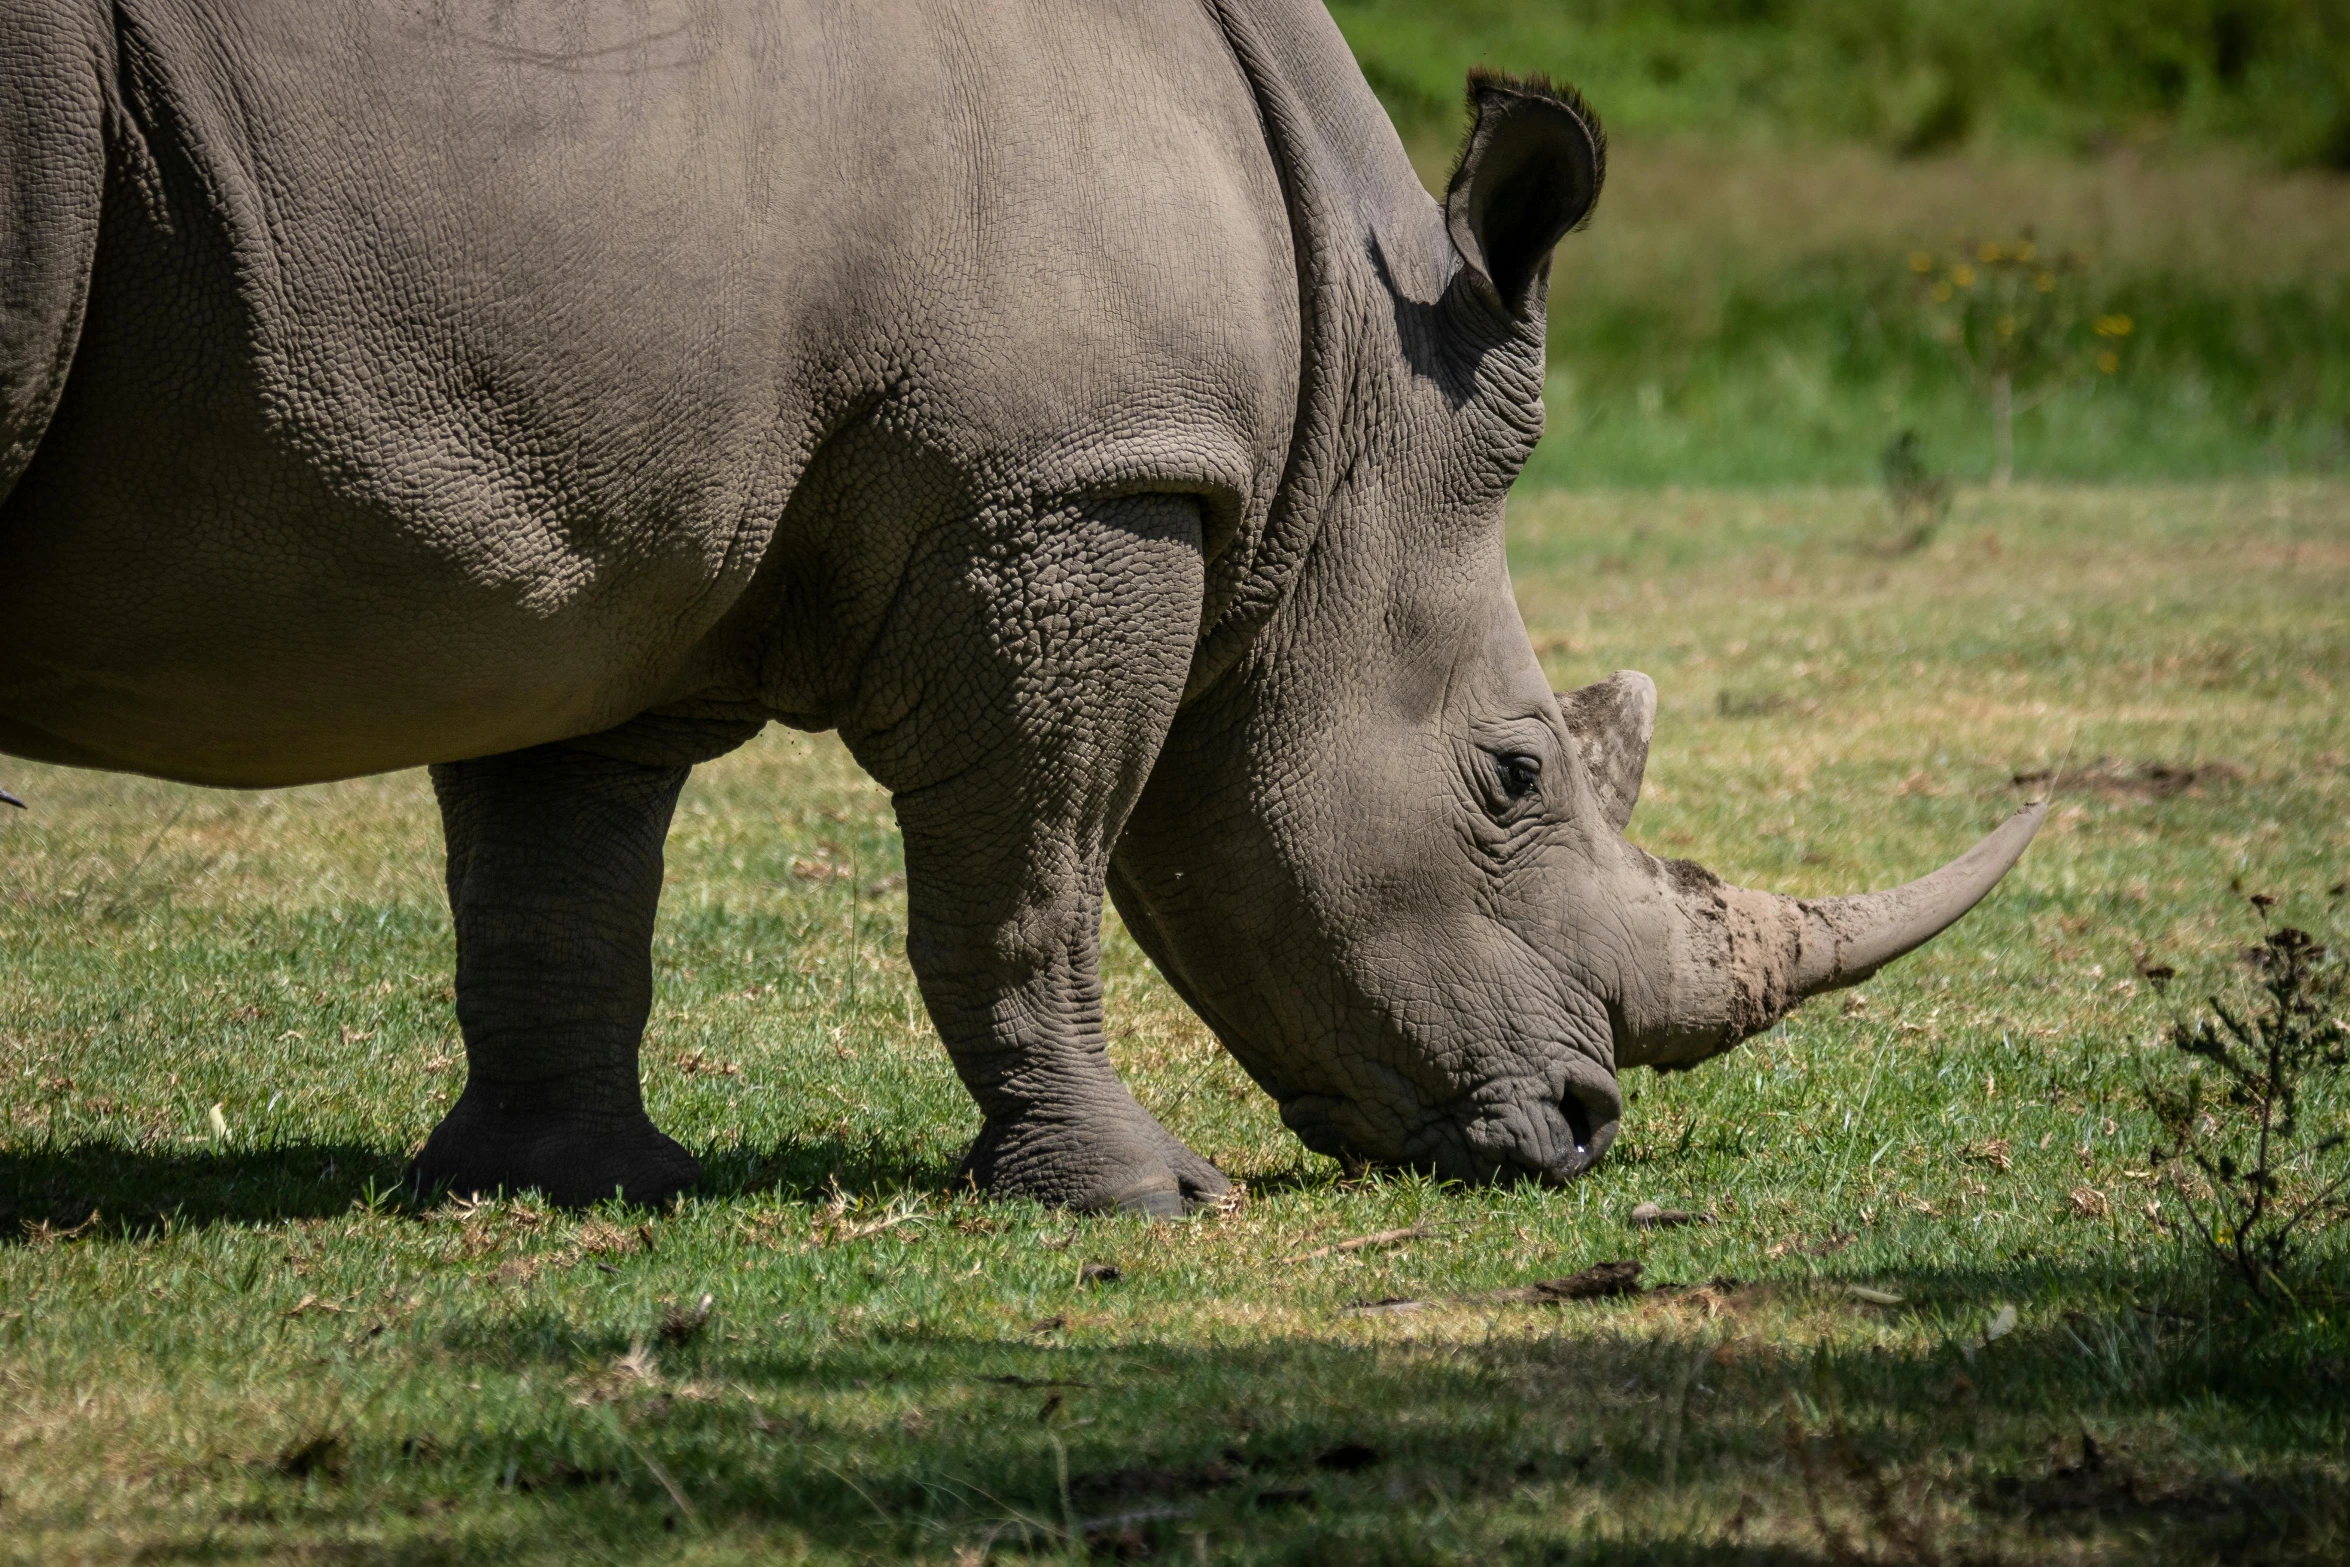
{"x": 1081, "y": 408}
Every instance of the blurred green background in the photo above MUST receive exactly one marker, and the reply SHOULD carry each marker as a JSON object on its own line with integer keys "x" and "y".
{"x": 1791, "y": 180}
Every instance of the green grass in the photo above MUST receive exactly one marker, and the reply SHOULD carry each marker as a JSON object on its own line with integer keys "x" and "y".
{"x": 1735, "y": 318}
{"x": 259, "y": 1350}
{"x": 1803, "y": 379}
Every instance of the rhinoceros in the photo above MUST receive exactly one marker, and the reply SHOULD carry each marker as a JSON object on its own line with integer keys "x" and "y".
{"x": 1082, "y": 409}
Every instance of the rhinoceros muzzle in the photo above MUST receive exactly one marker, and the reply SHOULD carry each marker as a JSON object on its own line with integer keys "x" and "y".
{"x": 1553, "y": 1140}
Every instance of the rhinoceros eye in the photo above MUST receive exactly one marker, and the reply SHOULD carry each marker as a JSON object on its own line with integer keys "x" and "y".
{"x": 1518, "y": 774}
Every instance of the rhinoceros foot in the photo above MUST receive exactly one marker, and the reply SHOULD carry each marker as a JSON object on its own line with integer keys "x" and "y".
{"x": 1117, "y": 1161}
{"x": 575, "y": 1157}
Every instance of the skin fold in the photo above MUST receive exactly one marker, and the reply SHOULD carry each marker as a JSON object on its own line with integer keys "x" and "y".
{"x": 1082, "y": 410}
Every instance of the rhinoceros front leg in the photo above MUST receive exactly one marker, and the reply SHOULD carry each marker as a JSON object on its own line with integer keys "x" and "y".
{"x": 1014, "y": 706}
{"x": 554, "y": 878}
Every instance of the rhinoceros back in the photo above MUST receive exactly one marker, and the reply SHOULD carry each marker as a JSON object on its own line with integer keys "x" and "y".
{"x": 451, "y": 374}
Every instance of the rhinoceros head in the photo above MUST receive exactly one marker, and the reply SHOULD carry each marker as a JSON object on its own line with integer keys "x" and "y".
{"x": 1380, "y": 856}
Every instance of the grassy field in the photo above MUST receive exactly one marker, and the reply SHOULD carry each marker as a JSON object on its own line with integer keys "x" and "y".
{"x": 1741, "y": 311}
{"x": 225, "y": 1021}
{"x": 1740, "y": 315}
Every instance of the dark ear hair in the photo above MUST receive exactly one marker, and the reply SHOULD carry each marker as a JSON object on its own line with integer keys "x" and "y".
{"x": 1530, "y": 171}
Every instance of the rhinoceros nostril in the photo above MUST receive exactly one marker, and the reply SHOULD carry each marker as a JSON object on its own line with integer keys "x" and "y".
{"x": 1578, "y": 1120}
{"x": 1591, "y": 1121}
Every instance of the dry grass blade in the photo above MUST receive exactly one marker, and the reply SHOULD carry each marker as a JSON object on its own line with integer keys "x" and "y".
{"x": 40, "y": 1232}
{"x": 843, "y": 1218}
{"x": 1366, "y": 1242}
{"x": 637, "y": 1371}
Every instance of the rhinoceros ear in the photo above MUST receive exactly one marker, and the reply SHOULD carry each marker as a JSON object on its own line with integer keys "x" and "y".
{"x": 1612, "y": 722}
{"x": 1530, "y": 171}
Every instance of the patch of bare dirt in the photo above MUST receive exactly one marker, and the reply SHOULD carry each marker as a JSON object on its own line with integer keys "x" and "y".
{"x": 2118, "y": 779}
{"x": 1142, "y": 1482}
{"x": 2101, "y": 1485}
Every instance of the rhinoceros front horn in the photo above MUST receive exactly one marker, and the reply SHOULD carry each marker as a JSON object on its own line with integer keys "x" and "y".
{"x": 1734, "y": 961}
{"x": 1845, "y": 940}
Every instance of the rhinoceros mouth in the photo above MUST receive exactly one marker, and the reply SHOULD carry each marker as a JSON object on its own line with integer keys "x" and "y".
{"x": 1489, "y": 1147}
{"x": 1590, "y": 1112}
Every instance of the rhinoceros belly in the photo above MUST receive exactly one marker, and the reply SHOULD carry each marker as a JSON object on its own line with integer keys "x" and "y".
{"x": 202, "y": 580}
{"x": 270, "y": 636}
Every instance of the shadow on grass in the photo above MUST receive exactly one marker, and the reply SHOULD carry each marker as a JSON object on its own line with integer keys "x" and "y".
{"x": 1610, "y": 1434}
{"x": 801, "y": 1168}
{"x": 137, "y": 1191}
{"x": 1627, "y": 1432}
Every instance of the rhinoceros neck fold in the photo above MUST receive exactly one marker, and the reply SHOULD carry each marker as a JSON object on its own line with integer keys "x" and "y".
{"x": 1344, "y": 175}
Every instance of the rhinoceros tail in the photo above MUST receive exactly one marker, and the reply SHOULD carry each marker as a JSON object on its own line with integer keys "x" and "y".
{"x": 55, "y": 59}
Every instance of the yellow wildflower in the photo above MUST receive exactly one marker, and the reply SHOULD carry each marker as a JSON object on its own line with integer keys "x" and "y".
{"x": 2109, "y": 361}
{"x": 2026, "y": 251}
{"x": 1919, "y": 261}
{"x": 1989, "y": 251}
{"x": 2007, "y": 326}
{"x": 2044, "y": 281}
{"x": 1942, "y": 293}
{"x": 1963, "y": 275}
{"x": 2114, "y": 326}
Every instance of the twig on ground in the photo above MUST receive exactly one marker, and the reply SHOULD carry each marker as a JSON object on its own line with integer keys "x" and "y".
{"x": 669, "y": 1483}
{"x": 1366, "y": 1242}
{"x": 1596, "y": 1282}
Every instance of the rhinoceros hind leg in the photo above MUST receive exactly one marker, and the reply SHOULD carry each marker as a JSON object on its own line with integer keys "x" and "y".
{"x": 554, "y": 879}
{"x": 487, "y": 1144}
